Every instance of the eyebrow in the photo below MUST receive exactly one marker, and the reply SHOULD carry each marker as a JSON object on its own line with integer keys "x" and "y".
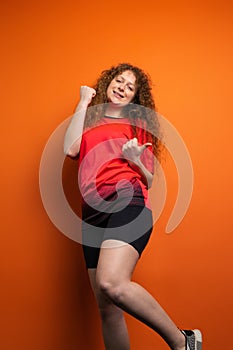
{"x": 129, "y": 82}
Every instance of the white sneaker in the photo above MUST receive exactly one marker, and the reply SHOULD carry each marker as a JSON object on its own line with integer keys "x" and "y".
{"x": 193, "y": 339}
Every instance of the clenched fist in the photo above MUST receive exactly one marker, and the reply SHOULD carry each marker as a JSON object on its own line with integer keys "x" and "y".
{"x": 86, "y": 94}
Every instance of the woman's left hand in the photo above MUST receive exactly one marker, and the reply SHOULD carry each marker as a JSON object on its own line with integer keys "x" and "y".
{"x": 132, "y": 151}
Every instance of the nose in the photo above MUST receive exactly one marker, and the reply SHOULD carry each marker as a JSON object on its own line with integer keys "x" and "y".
{"x": 121, "y": 87}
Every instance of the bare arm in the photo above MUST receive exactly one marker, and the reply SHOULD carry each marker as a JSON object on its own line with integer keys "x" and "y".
{"x": 73, "y": 136}
{"x": 132, "y": 152}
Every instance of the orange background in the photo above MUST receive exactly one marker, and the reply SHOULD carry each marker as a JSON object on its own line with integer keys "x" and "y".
{"x": 50, "y": 48}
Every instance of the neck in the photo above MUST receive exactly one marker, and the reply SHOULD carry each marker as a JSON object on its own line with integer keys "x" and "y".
{"x": 113, "y": 110}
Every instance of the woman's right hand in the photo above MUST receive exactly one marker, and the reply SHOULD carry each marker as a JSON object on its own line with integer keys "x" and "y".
{"x": 86, "y": 94}
{"x": 74, "y": 131}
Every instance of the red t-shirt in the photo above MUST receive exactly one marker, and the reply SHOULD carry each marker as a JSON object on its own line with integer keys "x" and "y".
{"x": 105, "y": 176}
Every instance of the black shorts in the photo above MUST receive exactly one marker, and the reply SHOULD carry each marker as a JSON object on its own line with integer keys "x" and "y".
{"x": 132, "y": 225}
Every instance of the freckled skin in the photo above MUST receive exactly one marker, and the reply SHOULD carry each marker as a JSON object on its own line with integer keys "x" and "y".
{"x": 122, "y": 88}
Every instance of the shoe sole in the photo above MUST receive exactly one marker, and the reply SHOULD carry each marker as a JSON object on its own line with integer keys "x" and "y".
{"x": 198, "y": 339}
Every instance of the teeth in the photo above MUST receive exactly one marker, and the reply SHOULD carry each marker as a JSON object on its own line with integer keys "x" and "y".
{"x": 116, "y": 93}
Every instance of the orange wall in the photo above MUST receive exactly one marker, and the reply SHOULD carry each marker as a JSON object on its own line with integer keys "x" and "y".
{"x": 48, "y": 50}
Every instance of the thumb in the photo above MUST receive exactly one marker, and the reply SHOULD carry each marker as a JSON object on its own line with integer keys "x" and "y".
{"x": 145, "y": 145}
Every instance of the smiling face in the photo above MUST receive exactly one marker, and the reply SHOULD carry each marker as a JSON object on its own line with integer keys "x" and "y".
{"x": 122, "y": 88}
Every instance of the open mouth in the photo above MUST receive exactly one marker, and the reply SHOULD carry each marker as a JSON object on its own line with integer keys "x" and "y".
{"x": 117, "y": 94}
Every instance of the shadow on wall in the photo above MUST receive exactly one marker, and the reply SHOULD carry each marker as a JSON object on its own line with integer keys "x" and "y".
{"x": 70, "y": 184}
{"x": 87, "y": 332}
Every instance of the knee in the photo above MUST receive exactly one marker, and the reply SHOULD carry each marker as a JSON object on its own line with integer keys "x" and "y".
{"x": 113, "y": 290}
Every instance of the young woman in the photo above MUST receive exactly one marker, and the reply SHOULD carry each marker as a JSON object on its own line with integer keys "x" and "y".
{"x": 115, "y": 135}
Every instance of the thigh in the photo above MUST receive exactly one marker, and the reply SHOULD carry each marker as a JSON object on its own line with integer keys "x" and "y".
{"x": 93, "y": 226}
{"x": 133, "y": 225}
{"x": 117, "y": 261}
{"x": 125, "y": 237}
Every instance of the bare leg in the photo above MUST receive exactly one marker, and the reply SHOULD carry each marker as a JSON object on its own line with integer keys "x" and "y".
{"x": 113, "y": 279}
{"x": 114, "y": 328}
